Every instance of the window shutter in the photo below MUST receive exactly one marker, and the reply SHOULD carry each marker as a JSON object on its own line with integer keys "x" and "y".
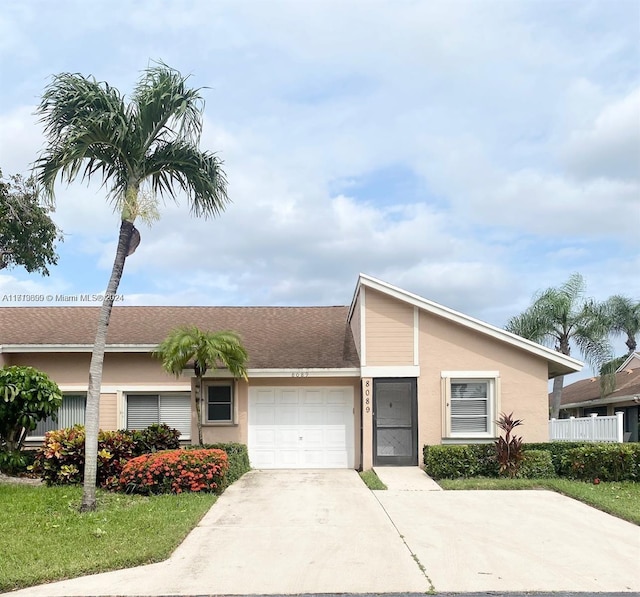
{"x": 70, "y": 413}
{"x": 142, "y": 411}
{"x": 175, "y": 411}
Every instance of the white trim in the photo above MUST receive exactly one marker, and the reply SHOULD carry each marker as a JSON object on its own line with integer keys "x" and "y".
{"x": 114, "y": 389}
{"x": 470, "y": 374}
{"x": 363, "y": 325}
{"x": 567, "y": 364}
{"x": 391, "y": 371}
{"x": 631, "y": 357}
{"x": 416, "y": 336}
{"x": 298, "y": 373}
{"x": 76, "y": 348}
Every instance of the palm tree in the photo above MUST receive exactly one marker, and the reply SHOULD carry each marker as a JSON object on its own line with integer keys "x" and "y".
{"x": 141, "y": 149}
{"x": 561, "y": 316}
{"x": 625, "y": 319}
{"x": 206, "y": 350}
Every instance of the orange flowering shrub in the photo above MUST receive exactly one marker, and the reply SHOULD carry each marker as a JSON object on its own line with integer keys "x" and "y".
{"x": 175, "y": 471}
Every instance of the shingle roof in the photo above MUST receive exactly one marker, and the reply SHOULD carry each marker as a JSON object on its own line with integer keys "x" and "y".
{"x": 627, "y": 384}
{"x": 275, "y": 337}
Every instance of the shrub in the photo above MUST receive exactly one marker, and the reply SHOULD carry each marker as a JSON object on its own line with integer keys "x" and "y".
{"x": 27, "y": 396}
{"x": 509, "y": 447}
{"x": 238, "y": 457}
{"x": 556, "y": 449}
{"x": 607, "y": 462}
{"x": 536, "y": 464}
{"x": 175, "y": 471}
{"x": 61, "y": 459}
{"x": 460, "y": 461}
{"x": 155, "y": 438}
{"x": 16, "y": 462}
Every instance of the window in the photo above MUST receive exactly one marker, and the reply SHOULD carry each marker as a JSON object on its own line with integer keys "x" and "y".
{"x": 219, "y": 403}
{"x": 470, "y": 404}
{"x": 70, "y": 413}
{"x": 173, "y": 409}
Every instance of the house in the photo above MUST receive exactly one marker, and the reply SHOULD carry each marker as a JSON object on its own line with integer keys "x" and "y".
{"x": 347, "y": 386}
{"x": 584, "y": 398}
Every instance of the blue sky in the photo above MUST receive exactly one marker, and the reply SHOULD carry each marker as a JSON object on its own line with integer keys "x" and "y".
{"x": 471, "y": 152}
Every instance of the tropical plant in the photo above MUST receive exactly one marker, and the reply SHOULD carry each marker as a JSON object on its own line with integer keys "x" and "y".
{"x": 27, "y": 233}
{"x": 624, "y": 314}
{"x": 509, "y": 448}
{"x": 191, "y": 346}
{"x": 141, "y": 149}
{"x": 562, "y": 316}
{"x": 27, "y": 396}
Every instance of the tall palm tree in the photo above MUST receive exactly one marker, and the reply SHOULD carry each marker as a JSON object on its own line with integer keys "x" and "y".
{"x": 206, "y": 350}
{"x": 625, "y": 319}
{"x": 560, "y": 316}
{"x": 141, "y": 148}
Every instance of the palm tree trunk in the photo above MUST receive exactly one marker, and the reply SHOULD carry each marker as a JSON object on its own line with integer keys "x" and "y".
{"x": 198, "y": 408}
{"x": 556, "y": 396}
{"x": 92, "y": 413}
{"x": 631, "y": 343}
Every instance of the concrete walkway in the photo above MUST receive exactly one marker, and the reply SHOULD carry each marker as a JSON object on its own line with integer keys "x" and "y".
{"x": 406, "y": 478}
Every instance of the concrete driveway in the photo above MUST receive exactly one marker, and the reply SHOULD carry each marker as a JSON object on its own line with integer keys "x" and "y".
{"x": 292, "y": 532}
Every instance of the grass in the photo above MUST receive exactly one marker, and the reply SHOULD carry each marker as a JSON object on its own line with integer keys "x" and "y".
{"x": 44, "y": 538}
{"x": 371, "y": 480}
{"x": 620, "y": 499}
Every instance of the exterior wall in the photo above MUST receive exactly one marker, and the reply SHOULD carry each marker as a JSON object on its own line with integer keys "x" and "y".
{"x": 389, "y": 329}
{"x": 4, "y": 359}
{"x": 356, "y": 325}
{"x": 446, "y": 346}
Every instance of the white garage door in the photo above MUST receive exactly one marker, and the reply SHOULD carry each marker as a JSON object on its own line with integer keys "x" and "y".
{"x": 301, "y": 427}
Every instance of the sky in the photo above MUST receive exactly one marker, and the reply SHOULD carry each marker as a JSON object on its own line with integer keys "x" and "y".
{"x": 471, "y": 151}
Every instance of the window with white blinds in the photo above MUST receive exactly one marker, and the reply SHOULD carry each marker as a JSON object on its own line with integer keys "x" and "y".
{"x": 470, "y": 402}
{"x": 70, "y": 413}
{"x": 469, "y": 406}
{"x": 173, "y": 409}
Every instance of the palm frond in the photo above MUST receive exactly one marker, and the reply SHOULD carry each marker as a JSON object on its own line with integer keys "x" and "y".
{"x": 199, "y": 174}
{"x": 164, "y": 108}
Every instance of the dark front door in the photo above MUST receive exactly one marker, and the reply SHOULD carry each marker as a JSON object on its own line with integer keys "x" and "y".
{"x": 395, "y": 430}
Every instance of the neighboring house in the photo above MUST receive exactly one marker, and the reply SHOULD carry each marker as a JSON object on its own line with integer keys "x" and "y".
{"x": 352, "y": 386}
{"x": 583, "y": 397}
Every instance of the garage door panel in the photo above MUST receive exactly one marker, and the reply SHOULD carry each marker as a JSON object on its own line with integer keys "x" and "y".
{"x": 303, "y": 427}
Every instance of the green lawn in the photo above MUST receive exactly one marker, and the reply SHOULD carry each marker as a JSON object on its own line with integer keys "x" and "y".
{"x": 620, "y": 499}
{"x": 43, "y": 537}
{"x": 371, "y": 480}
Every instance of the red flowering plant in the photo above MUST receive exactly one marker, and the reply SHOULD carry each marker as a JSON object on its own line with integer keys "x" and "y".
{"x": 175, "y": 471}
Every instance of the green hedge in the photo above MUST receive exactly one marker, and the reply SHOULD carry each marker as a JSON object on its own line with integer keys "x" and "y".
{"x": 536, "y": 464}
{"x": 607, "y": 462}
{"x": 575, "y": 460}
{"x": 460, "y": 461}
{"x": 238, "y": 459}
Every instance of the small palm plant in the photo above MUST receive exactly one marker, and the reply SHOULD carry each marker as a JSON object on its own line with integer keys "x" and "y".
{"x": 509, "y": 448}
{"x": 203, "y": 350}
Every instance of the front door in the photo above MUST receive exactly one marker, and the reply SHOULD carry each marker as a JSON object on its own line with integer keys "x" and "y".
{"x": 395, "y": 430}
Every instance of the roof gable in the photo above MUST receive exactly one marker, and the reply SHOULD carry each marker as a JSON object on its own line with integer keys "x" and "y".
{"x": 558, "y": 364}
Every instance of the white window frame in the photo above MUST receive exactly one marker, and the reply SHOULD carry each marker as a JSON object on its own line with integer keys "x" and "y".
{"x": 158, "y": 395}
{"x": 492, "y": 379}
{"x": 205, "y": 403}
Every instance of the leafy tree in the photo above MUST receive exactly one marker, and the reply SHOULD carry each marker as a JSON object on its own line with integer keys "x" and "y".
{"x": 142, "y": 149}
{"x": 624, "y": 314}
{"x": 27, "y": 233}
{"x": 27, "y": 396}
{"x": 204, "y": 350}
{"x": 560, "y": 316}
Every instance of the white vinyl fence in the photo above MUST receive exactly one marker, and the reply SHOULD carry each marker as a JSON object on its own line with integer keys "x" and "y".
{"x": 587, "y": 429}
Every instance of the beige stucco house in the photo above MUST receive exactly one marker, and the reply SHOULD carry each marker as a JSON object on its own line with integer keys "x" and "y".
{"x": 349, "y": 386}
